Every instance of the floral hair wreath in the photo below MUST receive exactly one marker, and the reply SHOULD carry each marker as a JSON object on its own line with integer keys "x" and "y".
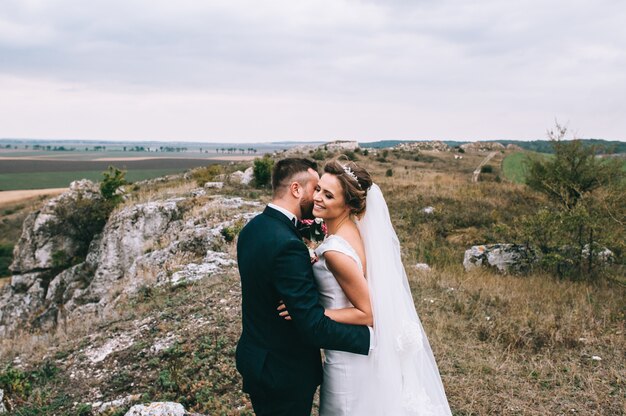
{"x": 351, "y": 174}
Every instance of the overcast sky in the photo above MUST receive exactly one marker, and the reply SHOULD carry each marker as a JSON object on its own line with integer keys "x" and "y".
{"x": 243, "y": 70}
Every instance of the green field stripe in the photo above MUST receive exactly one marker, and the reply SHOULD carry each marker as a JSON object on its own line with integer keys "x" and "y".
{"x": 42, "y": 180}
{"x": 513, "y": 167}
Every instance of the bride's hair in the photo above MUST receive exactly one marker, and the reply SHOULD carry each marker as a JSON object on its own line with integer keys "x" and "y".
{"x": 355, "y": 182}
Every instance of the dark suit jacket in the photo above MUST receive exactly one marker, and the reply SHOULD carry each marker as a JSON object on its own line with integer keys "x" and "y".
{"x": 275, "y": 355}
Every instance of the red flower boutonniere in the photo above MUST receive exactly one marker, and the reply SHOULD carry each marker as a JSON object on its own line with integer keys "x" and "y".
{"x": 312, "y": 231}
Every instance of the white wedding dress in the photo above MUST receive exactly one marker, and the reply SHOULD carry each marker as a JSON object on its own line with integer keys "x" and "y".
{"x": 399, "y": 377}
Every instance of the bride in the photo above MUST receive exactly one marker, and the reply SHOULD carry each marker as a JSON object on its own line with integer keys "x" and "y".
{"x": 361, "y": 280}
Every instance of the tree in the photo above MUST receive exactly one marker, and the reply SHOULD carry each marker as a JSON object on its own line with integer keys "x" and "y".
{"x": 113, "y": 179}
{"x": 588, "y": 209}
{"x": 572, "y": 173}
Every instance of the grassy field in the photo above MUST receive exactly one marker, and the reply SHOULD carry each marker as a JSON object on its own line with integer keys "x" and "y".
{"x": 29, "y": 174}
{"x": 42, "y": 180}
{"x": 505, "y": 345}
{"x": 513, "y": 165}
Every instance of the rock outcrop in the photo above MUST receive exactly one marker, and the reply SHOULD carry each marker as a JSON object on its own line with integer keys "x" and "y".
{"x": 339, "y": 145}
{"x": 430, "y": 145}
{"x": 482, "y": 147}
{"x": 505, "y": 258}
{"x": 39, "y": 240}
{"x": 149, "y": 243}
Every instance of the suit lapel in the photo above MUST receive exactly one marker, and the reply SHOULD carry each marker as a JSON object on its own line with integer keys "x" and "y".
{"x": 283, "y": 218}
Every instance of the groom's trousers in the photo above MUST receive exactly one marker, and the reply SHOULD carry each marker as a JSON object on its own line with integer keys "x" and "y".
{"x": 270, "y": 405}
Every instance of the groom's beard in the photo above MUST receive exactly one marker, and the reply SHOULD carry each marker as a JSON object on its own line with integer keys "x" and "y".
{"x": 306, "y": 208}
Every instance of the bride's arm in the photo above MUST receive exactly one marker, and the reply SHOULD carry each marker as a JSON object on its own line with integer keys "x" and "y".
{"x": 350, "y": 278}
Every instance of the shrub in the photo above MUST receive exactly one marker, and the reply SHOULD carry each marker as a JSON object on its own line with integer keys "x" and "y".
{"x": 366, "y": 152}
{"x": 15, "y": 383}
{"x": 318, "y": 155}
{"x": 351, "y": 155}
{"x": 229, "y": 233}
{"x": 206, "y": 174}
{"x": 486, "y": 169}
{"x": 389, "y": 172}
{"x": 6, "y": 256}
{"x": 263, "y": 171}
{"x": 113, "y": 179}
{"x": 81, "y": 219}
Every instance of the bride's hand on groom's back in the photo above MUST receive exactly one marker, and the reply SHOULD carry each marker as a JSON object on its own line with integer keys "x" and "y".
{"x": 283, "y": 311}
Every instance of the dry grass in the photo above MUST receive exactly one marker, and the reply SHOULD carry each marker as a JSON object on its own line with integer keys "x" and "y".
{"x": 524, "y": 345}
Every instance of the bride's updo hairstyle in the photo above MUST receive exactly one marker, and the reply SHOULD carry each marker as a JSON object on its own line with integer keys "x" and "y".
{"x": 354, "y": 180}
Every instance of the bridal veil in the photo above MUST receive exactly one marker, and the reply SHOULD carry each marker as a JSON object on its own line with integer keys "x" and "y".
{"x": 405, "y": 379}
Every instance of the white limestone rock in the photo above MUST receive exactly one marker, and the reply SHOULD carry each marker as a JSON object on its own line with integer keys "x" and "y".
{"x": 505, "y": 258}
{"x": 247, "y": 177}
{"x": 119, "y": 343}
{"x": 3, "y": 409}
{"x": 23, "y": 282}
{"x": 213, "y": 262}
{"x": 100, "y": 408}
{"x": 40, "y": 238}
{"x": 124, "y": 239}
{"x": 157, "y": 409}
{"x": 214, "y": 185}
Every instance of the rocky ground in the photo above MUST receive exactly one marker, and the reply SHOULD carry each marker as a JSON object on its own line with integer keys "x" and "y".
{"x": 145, "y": 316}
{"x": 169, "y": 343}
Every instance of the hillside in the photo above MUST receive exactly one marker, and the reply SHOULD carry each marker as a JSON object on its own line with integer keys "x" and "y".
{"x": 505, "y": 344}
{"x": 540, "y": 146}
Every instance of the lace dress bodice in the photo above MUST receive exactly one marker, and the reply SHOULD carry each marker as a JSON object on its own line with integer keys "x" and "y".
{"x": 331, "y": 294}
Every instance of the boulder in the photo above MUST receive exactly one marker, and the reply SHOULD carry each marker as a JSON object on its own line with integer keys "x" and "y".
{"x": 214, "y": 185}
{"x": 505, "y": 258}
{"x": 157, "y": 409}
{"x": 243, "y": 178}
{"x": 248, "y": 175}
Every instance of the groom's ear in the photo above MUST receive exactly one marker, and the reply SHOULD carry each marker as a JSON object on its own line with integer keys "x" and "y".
{"x": 296, "y": 190}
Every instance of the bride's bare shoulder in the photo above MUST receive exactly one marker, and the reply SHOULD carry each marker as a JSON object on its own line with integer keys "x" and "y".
{"x": 353, "y": 237}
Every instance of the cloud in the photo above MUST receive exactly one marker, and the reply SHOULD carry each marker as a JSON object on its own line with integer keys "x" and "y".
{"x": 449, "y": 59}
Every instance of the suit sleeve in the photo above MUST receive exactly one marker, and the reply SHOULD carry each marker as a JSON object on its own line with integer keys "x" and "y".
{"x": 293, "y": 279}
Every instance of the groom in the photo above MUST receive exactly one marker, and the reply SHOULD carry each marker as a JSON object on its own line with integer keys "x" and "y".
{"x": 279, "y": 360}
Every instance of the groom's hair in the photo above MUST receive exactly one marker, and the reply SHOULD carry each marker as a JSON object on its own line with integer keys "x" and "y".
{"x": 286, "y": 170}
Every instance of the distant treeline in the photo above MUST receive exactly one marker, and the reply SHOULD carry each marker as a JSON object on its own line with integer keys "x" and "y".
{"x": 541, "y": 146}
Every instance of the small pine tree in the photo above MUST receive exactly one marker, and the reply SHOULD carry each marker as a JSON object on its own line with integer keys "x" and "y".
{"x": 113, "y": 179}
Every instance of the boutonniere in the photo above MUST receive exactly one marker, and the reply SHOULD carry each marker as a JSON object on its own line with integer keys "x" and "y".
{"x": 312, "y": 231}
